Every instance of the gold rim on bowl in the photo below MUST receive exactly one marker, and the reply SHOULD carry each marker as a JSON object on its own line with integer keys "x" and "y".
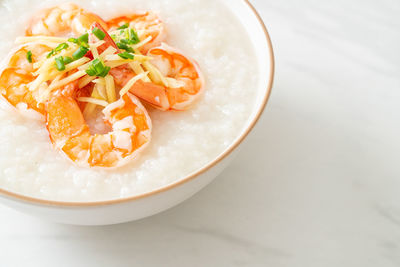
{"x": 16, "y": 196}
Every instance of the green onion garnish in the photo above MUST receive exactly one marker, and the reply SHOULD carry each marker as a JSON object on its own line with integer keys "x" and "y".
{"x": 105, "y": 72}
{"x": 97, "y": 68}
{"x": 60, "y": 63}
{"x": 29, "y": 56}
{"x": 124, "y": 26}
{"x": 125, "y": 41}
{"x": 67, "y": 60}
{"x": 83, "y": 40}
{"x": 91, "y": 72}
{"x": 98, "y": 33}
{"x": 50, "y": 54}
{"x": 80, "y": 53}
{"x": 57, "y": 49}
{"x": 97, "y": 65}
{"x": 73, "y": 40}
{"x": 133, "y": 36}
{"x": 126, "y": 55}
{"x": 123, "y": 46}
{"x": 61, "y": 47}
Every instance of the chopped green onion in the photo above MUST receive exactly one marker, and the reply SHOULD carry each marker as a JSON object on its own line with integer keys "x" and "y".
{"x": 61, "y": 47}
{"x": 97, "y": 68}
{"x": 114, "y": 37}
{"x": 125, "y": 41}
{"x": 80, "y": 53}
{"x": 29, "y": 56}
{"x": 49, "y": 55}
{"x": 60, "y": 63}
{"x": 73, "y": 40}
{"x": 67, "y": 60}
{"x": 91, "y": 72}
{"x": 98, "y": 65}
{"x": 83, "y": 40}
{"x": 98, "y": 33}
{"x": 124, "y": 26}
{"x": 126, "y": 55}
{"x": 57, "y": 49}
{"x": 133, "y": 36}
{"x": 121, "y": 45}
{"x": 105, "y": 72}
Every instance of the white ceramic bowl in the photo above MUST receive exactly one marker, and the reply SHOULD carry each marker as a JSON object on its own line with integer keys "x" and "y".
{"x": 137, "y": 207}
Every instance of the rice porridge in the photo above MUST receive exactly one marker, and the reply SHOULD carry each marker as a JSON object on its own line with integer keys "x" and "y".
{"x": 182, "y": 141}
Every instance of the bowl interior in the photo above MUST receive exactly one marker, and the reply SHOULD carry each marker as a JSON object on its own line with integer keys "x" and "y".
{"x": 258, "y": 35}
{"x": 259, "y": 38}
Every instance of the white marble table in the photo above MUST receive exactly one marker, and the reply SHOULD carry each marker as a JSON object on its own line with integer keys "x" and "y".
{"x": 318, "y": 183}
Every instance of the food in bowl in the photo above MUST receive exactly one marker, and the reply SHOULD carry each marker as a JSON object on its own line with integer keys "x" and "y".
{"x": 79, "y": 66}
{"x": 67, "y": 80}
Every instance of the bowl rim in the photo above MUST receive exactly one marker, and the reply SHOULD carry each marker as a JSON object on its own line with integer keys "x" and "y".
{"x": 226, "y": 153}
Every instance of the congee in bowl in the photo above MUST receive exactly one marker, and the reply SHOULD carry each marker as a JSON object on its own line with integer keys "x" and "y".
{"x": 110, "y": 99}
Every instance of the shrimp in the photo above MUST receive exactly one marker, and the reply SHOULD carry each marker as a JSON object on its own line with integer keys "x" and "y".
{"x": 189, "y": 81}
{"x": 130, "y": 134}
{"x": 16, "y": 77}
{"x": 63, "y": 20}
{"x": 151, "y": 93}
{"x": 147, "y": 24}
{"x": 147, "y": 91}
{"x": 186, "y": 82}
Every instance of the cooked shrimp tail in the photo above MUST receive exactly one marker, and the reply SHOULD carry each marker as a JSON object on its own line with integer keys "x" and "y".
{"x": 16, "y": 77}
{"x": 182, "y": 76}
{"x": 130, "y": 134}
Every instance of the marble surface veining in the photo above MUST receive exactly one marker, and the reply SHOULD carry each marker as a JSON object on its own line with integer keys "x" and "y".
{"x": 317, "y": 183}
